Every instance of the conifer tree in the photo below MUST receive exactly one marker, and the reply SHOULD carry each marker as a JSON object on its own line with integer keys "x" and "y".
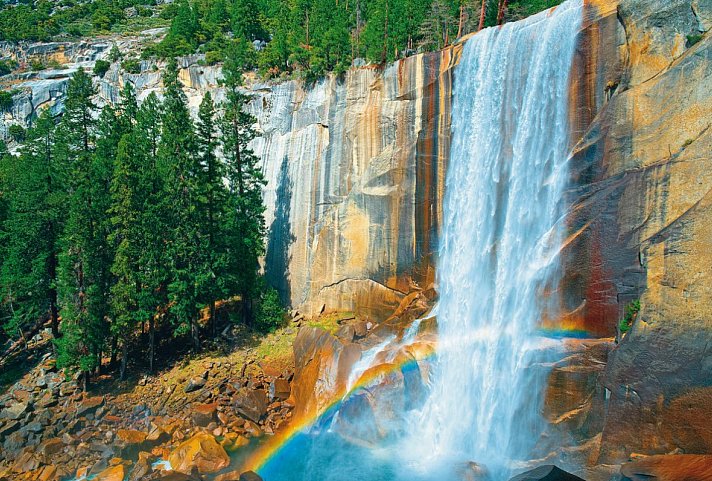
{"x": 245, "y": 220}
{"x": 178, "y": 156}
{"x": 153, "y": 260}
{"x": 82, "y": 262}
{"x": 127, "y": 204}
{"x": 33, "y": 223}
{"x": 213, "y": 200}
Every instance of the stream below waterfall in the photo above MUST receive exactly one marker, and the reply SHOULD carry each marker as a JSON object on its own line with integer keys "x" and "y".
{"x": 497, "y": 276}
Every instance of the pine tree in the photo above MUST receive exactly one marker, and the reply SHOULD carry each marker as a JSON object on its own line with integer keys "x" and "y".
{"x": 35, "y": 214}
{"x": 177, "y": 153}
{"x": 153, "y": 259}
{"x": 245, "y": 219}
{"x": 127, "y": 204}
{"x": 82, "y": 262}
{"x": 213, "y": 206}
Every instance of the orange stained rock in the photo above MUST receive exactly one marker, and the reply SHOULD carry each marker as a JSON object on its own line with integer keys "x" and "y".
{"x": 202, "y": 452}
{"x": 114, "y": 473}
{"x": 681, "y": 467}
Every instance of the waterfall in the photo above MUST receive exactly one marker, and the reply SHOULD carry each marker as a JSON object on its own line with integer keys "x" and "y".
{"x": 497, "y": 278}
{"x": 501, "y": 234}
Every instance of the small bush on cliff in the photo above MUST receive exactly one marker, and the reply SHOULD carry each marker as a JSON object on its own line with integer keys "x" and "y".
{"x": 270, "y": 313}
{"x": 693, "y": 39}
{"x": 5, "y": 101}
{"x": 101, "y": 67}
{"x": 631, "y": 311}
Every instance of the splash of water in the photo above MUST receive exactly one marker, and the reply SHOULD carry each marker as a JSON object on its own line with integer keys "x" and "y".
{"x": 505, "y": 183}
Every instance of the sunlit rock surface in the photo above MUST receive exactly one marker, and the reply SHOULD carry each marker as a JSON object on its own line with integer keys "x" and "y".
{"x": 640, "y": 225}
{"x": 356, "y": 171}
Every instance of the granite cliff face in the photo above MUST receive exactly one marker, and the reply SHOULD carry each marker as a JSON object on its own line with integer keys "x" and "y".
{"x": 356, "y": 171}
{"x": 641, "y": 220}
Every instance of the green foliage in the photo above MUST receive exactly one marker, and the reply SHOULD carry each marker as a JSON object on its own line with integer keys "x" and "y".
{"x": 114, "y": 53}
{"x": 7, "y": 66}
{"x": 631, "y": 311}
{"x": 131, "y": 65}
{"x": 270, "y": 313}
{"x": 5, "y": 100}
{"x": 518, "y": 9}
{"x": 17, "y": 132}
{"x": 101, "y": 67}
{"x": 36, "y": 65}
{"x": 128, "y": 217}
{"x": 693, "y": 39}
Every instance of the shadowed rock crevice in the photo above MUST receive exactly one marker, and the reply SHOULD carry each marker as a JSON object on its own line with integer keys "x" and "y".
{"x": 280, "y": 236}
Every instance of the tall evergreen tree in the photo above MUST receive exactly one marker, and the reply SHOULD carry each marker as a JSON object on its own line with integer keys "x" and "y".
{"x": 245, "y": 220}
{"x": 213, "y": 206}
{"x": 82, "y": 262}
{"x": 36, "y": 207}
{"x": 126, "y": 235}
{"x": 178, "y": 155}
{"x": 153, "y": 259}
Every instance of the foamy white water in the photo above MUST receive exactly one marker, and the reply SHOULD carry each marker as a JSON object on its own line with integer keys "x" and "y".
{"x": 501, "y": 235}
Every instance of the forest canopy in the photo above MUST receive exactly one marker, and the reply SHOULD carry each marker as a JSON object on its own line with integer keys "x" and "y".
{"x": 277, "y": 36}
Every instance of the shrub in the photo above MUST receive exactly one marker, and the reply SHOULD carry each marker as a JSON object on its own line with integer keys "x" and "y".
{"x": 36, "y": 65}
{"x": 270, "y": 313}
{"x": 16, "y": 132}
{"x": 131, "y": 66}
{"x": 692, "y": 39}
{"x": 631, "y": 311}
{"x": 101, "y": 67}
{"x": 7, "y": 66}
{"x": 114, "y": 53}
{"x": 212, "y": 57}
{"x": 5, "y": 101}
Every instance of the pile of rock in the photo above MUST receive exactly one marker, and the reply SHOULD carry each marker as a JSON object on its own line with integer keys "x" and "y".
{"x": 50, "y": 430}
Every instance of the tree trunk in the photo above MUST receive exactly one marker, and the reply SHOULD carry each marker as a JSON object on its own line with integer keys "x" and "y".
{"x": 461, "y": 21}
{"x": 246, "y": 308}
{"x": 483, "y": 12}
{"x": 195, "y": 335}
{"x": 502, "y": 7}
{"x": 85, "y": 381}
{"x": 114, "y": 349}
{"x": 151, "y": 343}
{"x": 213, "y": 319}
{"x": 124, "y": 359}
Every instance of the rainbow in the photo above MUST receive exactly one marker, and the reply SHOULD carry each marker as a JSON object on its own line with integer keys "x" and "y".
{"x": 271, "y": 449}
{"x": 418, "y": 352}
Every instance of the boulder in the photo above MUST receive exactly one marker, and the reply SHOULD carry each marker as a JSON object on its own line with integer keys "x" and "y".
{"x": 194, "y": 384}
{"x": 250, "y": 476}
{"x": 90, "y": 405}
{"x": 251, "y": 403}
{"x": 16, "y": 411}
{"x": 279, "y": 389}
{"x": 50, "y": 447}
{"x": 131, "y": 436}
{"x": 204, "y": 414}
{"x": 548, "y": 472}
{"x": 677, "y": 467}
{"x": 201, "y": 452}
{"x": 113, "y": 473}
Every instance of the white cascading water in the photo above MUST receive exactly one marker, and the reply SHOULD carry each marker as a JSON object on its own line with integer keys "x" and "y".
{"x": 500, "y": 239}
